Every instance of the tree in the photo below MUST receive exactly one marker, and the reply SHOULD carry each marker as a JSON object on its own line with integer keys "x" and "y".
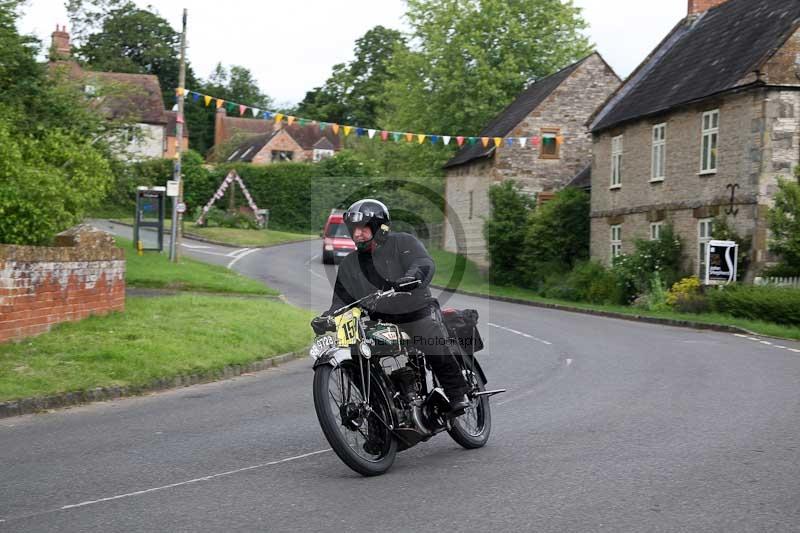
{"x": 354, "y": 92}
{"x": 472, "y": 57}
{"x": 53, "y": 149}
{"x": 784, "y": 224}
{"x": 504, "y": 231}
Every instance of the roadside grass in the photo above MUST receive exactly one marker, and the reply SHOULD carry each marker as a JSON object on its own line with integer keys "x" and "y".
{"x": 154, "y": 270}
{"x": 472, "y": 281}
{"x": 234, "y": 236}
{"x": 154, "y": 338}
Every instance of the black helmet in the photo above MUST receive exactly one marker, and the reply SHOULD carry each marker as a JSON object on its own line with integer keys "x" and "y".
{"x": 368, "y": 212}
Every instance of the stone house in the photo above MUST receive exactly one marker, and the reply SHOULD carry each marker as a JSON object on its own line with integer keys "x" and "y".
{"x": 553, "y": 110}
{"x": 261, "y": 142}
{"x": 133, "y": 97}
{"x": 703, "y": 128}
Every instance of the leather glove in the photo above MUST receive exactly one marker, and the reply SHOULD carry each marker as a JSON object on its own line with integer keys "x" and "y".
{"x": 321, "y": 324}
{"x": 397, "y": 285}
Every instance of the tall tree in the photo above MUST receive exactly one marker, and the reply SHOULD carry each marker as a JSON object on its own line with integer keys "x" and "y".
{"x": 353, "y": 93}
{"x": 472, "y": 57}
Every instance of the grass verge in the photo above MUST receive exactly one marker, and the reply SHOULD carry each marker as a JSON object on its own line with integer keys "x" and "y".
{"x": 154, "y": 338}
{"x": 234, "y": 236}
{"x": 471, "y": 280}
{"x": 154, "y": 270}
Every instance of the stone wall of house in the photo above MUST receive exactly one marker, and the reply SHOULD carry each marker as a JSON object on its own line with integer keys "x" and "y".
{"x": 463, "y": 229}
{"x": 281, "y": 141}
{"x": 752, "y": 152}
{"x": 82, "y": 275}
{"x": 567, "y": 108}
{"x": 784, "y": 66}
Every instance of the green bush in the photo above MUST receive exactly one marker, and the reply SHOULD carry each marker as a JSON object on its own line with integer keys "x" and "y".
{"x": 589, "y": 282}
{"x": 504, "y": 231}
{"x": 635, "y": 270}
{"x": 771, "y": 304}
{"x": 557, "y": 232}
{"x": 784, "y": 223}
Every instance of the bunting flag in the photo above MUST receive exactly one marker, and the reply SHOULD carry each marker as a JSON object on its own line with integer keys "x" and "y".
{"x": 385, "y": 135}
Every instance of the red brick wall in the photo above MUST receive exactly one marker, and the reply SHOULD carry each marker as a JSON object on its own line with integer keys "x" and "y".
{"x": 40, "y": 286}
{"x": 701, "y": 6}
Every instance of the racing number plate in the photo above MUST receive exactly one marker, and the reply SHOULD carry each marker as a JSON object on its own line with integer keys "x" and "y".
{"x": 347, "y": 327}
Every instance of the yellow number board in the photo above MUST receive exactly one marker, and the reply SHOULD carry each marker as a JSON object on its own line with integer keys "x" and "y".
{"x": 347, "y": 327}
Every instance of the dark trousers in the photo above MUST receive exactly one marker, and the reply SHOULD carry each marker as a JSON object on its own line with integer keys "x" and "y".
{"x": 429, "y": 335}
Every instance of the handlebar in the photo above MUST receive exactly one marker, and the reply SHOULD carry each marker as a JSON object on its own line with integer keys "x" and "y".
{"x": 377, "y": 296}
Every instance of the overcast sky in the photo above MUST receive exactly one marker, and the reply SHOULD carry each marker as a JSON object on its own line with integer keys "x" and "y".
{"x": 290, "y": 47}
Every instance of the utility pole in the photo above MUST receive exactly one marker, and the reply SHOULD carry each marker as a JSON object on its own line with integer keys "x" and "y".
{"x": 174, "y": 243}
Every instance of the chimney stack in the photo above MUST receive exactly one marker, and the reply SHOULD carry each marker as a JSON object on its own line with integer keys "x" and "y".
{"x": 60, "y": 46}
{"x": 697, "y": 7}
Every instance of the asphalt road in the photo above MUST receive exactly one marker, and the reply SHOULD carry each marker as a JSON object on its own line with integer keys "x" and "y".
{"x": 607, "y": 425}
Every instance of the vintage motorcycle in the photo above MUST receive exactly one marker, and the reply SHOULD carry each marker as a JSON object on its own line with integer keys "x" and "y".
{"x": 373, "y": 393}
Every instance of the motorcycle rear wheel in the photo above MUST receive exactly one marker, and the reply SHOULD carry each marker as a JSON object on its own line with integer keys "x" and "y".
{"x": 337, "y": 397}
{"x": 472, "y": 429}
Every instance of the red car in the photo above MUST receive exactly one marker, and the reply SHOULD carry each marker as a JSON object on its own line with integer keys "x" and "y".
{"x": 336, "y": 241}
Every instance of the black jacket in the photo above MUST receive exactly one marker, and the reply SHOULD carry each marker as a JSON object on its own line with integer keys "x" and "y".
{"x": 400, "y": 255}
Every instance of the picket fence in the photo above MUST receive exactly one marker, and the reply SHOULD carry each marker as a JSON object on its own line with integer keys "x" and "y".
{"x": 779, "y": 282}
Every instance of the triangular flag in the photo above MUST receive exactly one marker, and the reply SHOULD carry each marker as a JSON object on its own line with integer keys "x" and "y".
{"x": 434, "y": 139}
{"x": 179, "y": 91}
{"x": 179, "y": 119}
{"x": 409, "y": 136}
{"x": 335, "y": 128}
{"x": 290, "y": 119}
{"x": 446, "y": 139}
{"x": 460, "y": 140}
{"x": 230, "y": 106}
{"x": 220, "y": 102}
{"x": 497, "y": 142}
{"x": 302, "y": 121}
{"x": 267, "y": 115}
{"x": 384, "y": 135}
{"x": 560, "y": 139}
{"x": 242, "y": 109}
{"x": 322, "y": 126}
{"x": 421, "y": 138}
{"x": 396, "y": 136}
{"x": 278, "y": 118}
{"x": 522, "y": 141}
{"x": 195, "y": 97}
{"x": 347, "y": 130}
{"x": 510, "y": 142}
{"x": 535, "y": 140}
{"x": 472, "y": 140}
{"x": 370, "y": 133}
{"x": 255, "y": 111}
{"x": 207, "y": 100}
{"x": 485, "y": 141}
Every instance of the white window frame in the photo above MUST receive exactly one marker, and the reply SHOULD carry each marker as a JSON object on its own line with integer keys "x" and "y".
{"x": 321, "y": 153}
{"x": 616, "y": 161}
{"x": 616, "y": 241}
{"x": 709, "y": 142}
{"x": 658, "y": 158}
{"x": 655, "y": 230}
{"x": 705, "y": 227}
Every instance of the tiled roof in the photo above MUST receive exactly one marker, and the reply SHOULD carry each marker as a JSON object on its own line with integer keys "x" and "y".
{"x": 702, "y": 56}
{"x": 512, "y": 115}
{"x": 582, "y": 180}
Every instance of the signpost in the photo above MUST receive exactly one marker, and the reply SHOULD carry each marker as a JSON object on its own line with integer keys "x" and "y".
{"x": 721, "y": 262}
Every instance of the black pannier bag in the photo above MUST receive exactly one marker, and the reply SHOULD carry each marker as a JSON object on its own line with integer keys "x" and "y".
{"x": 462, "y": 324}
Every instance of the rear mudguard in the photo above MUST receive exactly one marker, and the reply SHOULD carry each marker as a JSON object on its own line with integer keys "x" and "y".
{"x": 477, "y": 367}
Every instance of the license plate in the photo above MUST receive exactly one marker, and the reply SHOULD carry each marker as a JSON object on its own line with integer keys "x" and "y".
{"x": 347, "y": 330}
{"x": 321, "y": 344}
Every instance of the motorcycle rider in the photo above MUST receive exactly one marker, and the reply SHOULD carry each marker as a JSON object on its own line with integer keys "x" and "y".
{"x": 385, "y": 260}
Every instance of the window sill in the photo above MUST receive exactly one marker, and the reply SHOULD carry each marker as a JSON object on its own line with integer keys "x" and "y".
{"x": 615, "y": 187}
{"x": 707, "y": 172}
{"x": 656, "y": 180}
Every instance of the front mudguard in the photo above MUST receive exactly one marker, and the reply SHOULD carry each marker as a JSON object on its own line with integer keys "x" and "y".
{"x": 333, "y": 356}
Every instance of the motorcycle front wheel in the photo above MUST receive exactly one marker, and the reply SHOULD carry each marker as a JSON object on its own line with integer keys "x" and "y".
{"x": 358, "y": 434}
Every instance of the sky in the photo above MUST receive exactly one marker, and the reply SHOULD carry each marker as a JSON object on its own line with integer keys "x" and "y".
{"x": 290, "y": 47}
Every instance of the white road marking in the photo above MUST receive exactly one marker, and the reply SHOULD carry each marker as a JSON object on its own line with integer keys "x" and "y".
{"x": 740, "y": 335}
{"x": 237, "y": 252}
{"x": 569, "y": 362}
{"x": 248, "y": 252}
{"x": 194, "y": 246}
{"x": 196, "y": 480}
{"x": 767, "y": 343}
{"x": 515, "y": 332}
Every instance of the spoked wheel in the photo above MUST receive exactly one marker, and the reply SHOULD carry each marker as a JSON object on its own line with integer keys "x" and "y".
{"x": 356, "y": 430}
{"x": 471, "y": 430}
